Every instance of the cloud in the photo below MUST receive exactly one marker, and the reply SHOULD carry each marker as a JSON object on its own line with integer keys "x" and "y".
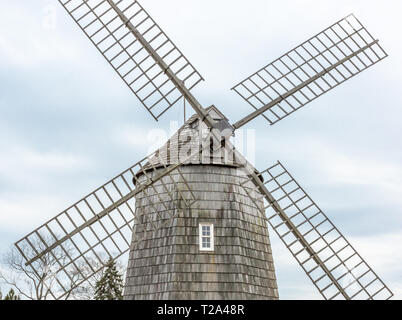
{"x": 146, "y": 138}
{"x": 381, "y": 253}
{"x": 20, "y": 214}
{"x": 39, "y": 160}
{"x": 354, "y": 169}
{"x": 29, "y": 47}
{"x": 378, "y": 251}
{"x": 384, "y": 176}
{"x": 23, "y": 166}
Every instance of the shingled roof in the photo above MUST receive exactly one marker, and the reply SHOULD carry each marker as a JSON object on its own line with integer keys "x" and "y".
{"x": 183, "y": 145}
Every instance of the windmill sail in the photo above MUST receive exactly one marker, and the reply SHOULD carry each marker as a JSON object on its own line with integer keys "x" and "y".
{"x": 329, "y": 260}
{"x": 313, "y": 68}
{"x": 114, "y": 27}
{"x": 102, "y": 222}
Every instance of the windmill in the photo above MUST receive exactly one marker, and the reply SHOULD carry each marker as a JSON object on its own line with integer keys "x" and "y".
{"x": 193, "y": 215}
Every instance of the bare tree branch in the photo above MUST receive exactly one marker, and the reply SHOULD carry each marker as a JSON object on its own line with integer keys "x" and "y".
{"x": 46, "y": 276}
{"x": 36, "y": 282}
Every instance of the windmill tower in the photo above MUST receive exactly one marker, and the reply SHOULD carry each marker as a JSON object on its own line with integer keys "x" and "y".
{"x": 193, "y": 215}
{"x": 218, "y": 248}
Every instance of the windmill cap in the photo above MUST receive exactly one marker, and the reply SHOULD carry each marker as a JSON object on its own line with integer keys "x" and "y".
{"x": 182, "y": 147}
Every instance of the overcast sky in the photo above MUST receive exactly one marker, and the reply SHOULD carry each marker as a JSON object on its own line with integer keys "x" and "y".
{"x": 69, "y": 124}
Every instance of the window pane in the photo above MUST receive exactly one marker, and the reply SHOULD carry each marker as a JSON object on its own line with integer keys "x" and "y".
{"x": 206, "y": 242}
{"x": 205, "y": 237}
{"x": 206, "y": 230}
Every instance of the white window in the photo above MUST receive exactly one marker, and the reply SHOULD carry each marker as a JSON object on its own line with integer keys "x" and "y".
{"x": 206, "y": 237}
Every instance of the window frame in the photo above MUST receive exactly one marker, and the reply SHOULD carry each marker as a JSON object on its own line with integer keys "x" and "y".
{"x": 211, "y": 236}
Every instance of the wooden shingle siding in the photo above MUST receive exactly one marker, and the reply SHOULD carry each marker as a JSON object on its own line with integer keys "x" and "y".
{"x": 167, "y": 263}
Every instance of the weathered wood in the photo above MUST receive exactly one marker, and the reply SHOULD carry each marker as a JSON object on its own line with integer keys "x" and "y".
{"x": 168, "y": 264}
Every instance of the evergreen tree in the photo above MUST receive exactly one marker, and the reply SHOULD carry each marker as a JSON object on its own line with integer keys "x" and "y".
{"x": 110, "y": 286}
{"x": 11, "y": 296}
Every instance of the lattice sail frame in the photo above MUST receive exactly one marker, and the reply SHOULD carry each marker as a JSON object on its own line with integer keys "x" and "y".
{"x": 306, "y": 72}
{"x": 101, "y": 22}
{"x": 102, "y": 222}
{"x": 333, "y": 265}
